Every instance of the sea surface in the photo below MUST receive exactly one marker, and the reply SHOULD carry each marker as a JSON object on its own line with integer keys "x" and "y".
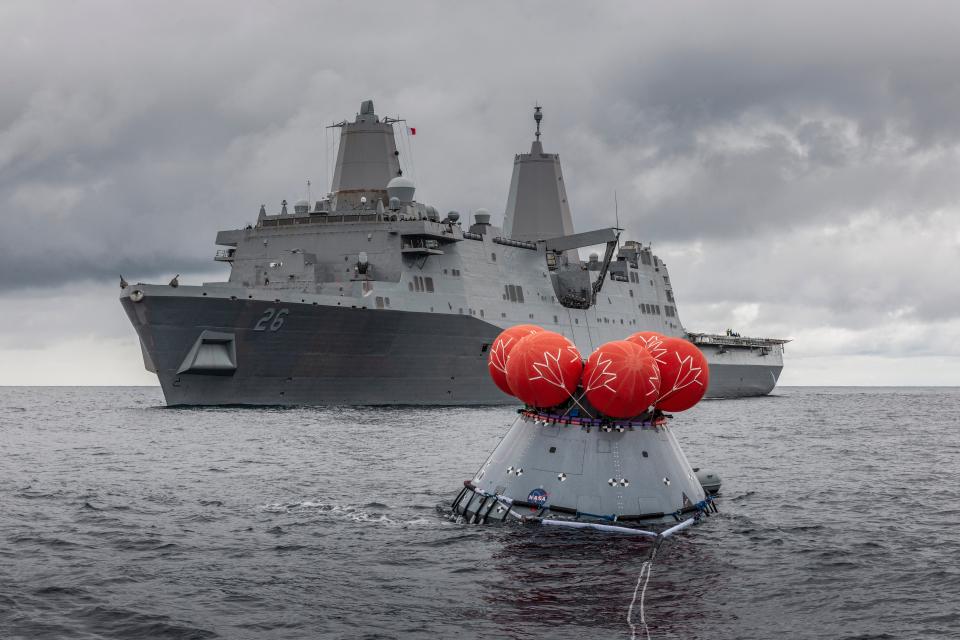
{"x": 120, "y": 518}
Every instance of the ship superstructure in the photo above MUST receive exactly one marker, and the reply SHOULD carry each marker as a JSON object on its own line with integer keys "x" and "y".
{"x": 367, "y": 296}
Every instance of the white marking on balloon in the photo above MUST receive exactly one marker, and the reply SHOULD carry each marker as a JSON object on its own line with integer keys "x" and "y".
{"x": 549, "y": 370}
{"x": 498, "y": 354}
{"x": 655, "y": 347}
{"x": 600, "y": 376}
{"x": 686, "y": 376}
{"x": 654, "y": 382}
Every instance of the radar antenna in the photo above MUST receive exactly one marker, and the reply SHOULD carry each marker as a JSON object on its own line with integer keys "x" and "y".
{"x": 537, "y": 116}
{"x": 616, "y": 209}
{"x": 616, "y": 215}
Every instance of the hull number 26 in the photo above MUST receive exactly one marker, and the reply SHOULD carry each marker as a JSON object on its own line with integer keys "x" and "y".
{"x": 271, "y": 319}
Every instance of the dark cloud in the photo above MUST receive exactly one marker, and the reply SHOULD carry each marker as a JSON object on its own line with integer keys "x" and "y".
{"x": 795, "y": 164}
{"x": 762, "y": 135}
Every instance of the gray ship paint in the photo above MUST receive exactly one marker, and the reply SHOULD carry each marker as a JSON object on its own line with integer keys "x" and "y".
{"x": 369, "y": 297}
{"x": 537, "y": 205}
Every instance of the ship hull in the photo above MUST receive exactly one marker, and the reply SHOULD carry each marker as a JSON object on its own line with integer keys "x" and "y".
{"x": 318, "y": 356}
{"x": 308, "y": 354}
{"x": 742, "y": 372}
{"x": 741, "y": 380}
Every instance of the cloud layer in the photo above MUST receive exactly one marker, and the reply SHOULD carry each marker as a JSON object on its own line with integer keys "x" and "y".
{"x": 796, "y": 165}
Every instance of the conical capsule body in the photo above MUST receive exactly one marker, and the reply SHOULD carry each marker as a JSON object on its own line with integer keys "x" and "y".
{"x": 629, "y": 472}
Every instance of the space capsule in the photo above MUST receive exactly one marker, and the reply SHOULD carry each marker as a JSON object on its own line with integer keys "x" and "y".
{"x": 568, "y": 460}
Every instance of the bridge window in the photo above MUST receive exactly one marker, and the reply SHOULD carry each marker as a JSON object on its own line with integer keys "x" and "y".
{"x": 493, "y": 257}
{"x": 429, "y": 283}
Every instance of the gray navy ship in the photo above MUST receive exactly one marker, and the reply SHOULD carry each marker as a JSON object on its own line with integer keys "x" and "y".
{"x": 369, "y": 297}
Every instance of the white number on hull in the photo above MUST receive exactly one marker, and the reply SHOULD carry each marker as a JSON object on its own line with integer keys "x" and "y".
{"x": 268, "y": 315}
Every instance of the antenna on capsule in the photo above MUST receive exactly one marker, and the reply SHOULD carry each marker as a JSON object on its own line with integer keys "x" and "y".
{"x": 537, "y": 116}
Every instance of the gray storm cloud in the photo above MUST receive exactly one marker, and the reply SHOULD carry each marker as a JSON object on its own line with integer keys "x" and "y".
{"x": 797, "y": 156}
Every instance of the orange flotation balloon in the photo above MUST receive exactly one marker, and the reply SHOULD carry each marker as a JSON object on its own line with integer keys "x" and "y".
{"x": 652, "y": 342}
{"x": 684, "y": 375}
{"x": 543, "y": 369}
{"x": 621, "y": 379}
{"x": 500, "y": 351}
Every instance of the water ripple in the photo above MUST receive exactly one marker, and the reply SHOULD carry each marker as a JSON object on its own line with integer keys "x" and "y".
{"x": 122, "y": 519}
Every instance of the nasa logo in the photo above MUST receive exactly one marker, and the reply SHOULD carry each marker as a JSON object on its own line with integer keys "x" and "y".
{"x": 538, "y": 497}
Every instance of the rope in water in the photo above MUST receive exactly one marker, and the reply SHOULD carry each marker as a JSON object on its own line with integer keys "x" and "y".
{"x": 644, "y": 576}
{"x": 645, "y": 569}
{"x": 644, "y": 573}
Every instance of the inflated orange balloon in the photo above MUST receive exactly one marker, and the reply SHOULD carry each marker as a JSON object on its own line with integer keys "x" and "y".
{"x": 500, "y": 350}
{"x": 684, "y": 375}
{"x": 543, "y": 369}
{"x": 621, "y": 379}
{"x": 652, "y": 342}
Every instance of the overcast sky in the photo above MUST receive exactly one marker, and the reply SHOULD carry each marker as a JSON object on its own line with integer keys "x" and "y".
{"x": 797, "y": 165}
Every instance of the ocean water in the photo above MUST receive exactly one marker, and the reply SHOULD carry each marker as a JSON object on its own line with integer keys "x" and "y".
{"x": 120, "y": 518}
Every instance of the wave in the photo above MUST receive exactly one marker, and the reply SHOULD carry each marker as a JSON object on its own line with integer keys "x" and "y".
{"x": 367, "y": 513}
